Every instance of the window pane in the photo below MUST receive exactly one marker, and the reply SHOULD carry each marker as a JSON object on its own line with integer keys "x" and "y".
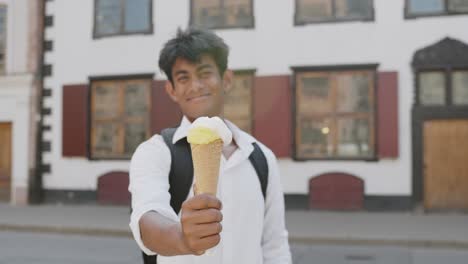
{"x": 316, "y": 139}
{"x": 314, "y": 10}
{"x": 238, "y": 102}
{"x": 3, "y": 20}
{"x": 354, "y": 138}
{"x": 354, "y": 8}
{"x": 136, "y": 96}
{"x": 426, "y": 6}
{"x": 458, "y": 5}
{"x": 137, "y": 15}
{"x": 105, "y": 139}
{"x": 353, "y": 92}
{"x": 108, "y": 15}
{"x": 135, "y": 133}
{"x": 432, "y": 88}
{"x": 460, "y": 88}
{"x": 314, "y": 96}
{"x": 105, "y": 101}
{"x": 238, "y": 13}
{"x": 207, "y": 13}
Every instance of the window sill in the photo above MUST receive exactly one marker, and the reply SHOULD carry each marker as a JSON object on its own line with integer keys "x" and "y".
{"x": 333, "y": 21}
{"x": 96, "y": 37}
{"x": 364, "y": 159}
{"x": 409, "y": 16}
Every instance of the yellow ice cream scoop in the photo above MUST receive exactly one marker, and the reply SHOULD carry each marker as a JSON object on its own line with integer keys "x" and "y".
{"x": 202, "y": 135}
{"x": 206, "y": 130}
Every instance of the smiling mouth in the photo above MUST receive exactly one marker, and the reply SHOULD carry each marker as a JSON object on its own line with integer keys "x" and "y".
{"x": 198, "y": 98}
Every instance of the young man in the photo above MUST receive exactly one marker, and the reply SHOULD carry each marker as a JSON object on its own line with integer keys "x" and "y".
{"x": 243, "y": 224}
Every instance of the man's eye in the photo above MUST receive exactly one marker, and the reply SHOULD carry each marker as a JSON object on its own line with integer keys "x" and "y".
{"x": 182, "y": 79}
{"x": 205, "y": 74}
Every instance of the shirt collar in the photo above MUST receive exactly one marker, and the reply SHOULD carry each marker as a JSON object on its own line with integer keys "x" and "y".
{"x": 243, "y": 140}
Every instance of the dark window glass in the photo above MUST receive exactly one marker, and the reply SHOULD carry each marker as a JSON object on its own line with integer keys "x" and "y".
{"x": 137, "y": 15}
{"x": 3, "y": 36}
{"x": 119, "y": 117}
{"x": 460, "y": 88}
{"x": 108, "y": 16}
{"x": 310, "y": 11}
{"x": 335, "y": 114}
{"x": 432, "y": 88}
{"x": 117, "y": 17}
{"x": 426, "y": 6}
{"x": 222, "y": 13}
{"x": 458, "y": 6}
{"x": 353, "y": 8}
{"x": 436, "y": 7}
{"x": 238, "y": 102}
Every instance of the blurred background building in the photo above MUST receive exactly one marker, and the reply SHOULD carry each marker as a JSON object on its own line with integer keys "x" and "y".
{"x": 20, "y": 85}
{"x": 365, "y": 102}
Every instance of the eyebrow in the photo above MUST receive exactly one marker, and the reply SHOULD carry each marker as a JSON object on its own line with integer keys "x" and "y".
{"x": 179, "y": 72}
{"x": 204, "y": 66}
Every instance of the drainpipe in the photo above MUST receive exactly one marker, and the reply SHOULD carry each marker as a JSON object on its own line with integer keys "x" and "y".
{"x": 35, "y": 178}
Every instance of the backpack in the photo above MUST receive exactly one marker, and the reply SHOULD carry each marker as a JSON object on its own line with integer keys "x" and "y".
{"x": 181, "y": 174}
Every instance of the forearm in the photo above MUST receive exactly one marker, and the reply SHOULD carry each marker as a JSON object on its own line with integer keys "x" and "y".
{"x": 162, "y": 235}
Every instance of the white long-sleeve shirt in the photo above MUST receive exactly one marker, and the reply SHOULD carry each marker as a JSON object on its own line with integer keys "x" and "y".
{"x": 253, "y": 228}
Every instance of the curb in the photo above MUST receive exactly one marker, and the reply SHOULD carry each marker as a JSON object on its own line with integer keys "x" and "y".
{"x": 442, "y": 244}
{"x": 67, "y": 230}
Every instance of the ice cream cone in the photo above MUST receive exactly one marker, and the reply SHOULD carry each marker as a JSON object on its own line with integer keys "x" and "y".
{"x": 206, "y": 159}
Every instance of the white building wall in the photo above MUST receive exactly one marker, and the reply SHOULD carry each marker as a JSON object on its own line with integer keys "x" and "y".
{"x": 15, "y": 94}
{"x": 272, "y": 47}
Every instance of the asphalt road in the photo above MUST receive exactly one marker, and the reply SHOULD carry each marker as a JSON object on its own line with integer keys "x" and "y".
{"x": 40, "y": 248}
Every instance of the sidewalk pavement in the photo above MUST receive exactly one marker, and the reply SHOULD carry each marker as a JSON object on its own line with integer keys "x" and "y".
{"x": 439, "y": 230}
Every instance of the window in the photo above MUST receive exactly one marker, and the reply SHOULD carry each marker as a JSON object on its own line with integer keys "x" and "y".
{"x": 214, "y": 14}
{"x": 122, "y": 17}
{"x": 335, "y": 114}
{"x": 238, "y": 102}
{"x": 435, "y": 90}
{"x": 119, "y": 117}
{"x": 3, "y": 35}
{"x": 418, "y": 8}
{"x": 460, "y": 87}
{"x": 316, "y": 11}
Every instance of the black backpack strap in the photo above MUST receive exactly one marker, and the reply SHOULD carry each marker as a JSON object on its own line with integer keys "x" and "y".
{"x": 260, "y": 164}
{"x": 181, "y": 174}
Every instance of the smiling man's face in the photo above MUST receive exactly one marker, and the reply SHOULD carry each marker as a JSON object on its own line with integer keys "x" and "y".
{"x": 198, "y": 87}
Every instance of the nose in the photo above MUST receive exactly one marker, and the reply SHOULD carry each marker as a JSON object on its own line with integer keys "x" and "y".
{"x": 197, "y": 84}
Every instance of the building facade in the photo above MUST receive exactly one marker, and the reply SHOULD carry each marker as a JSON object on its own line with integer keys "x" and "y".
{"x": 339, "y": 90}
{"x": 20, "y": 54}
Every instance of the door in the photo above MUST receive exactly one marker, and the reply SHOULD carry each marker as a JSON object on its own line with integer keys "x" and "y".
{"x": 445, "y": 153}
{"x": 5, "y": 161}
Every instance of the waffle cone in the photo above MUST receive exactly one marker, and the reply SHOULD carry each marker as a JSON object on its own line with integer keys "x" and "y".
{"x": 206, "y": 159}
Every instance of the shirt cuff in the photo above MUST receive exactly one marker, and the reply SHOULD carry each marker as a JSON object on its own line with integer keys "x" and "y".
{"x": 135, "y": 226}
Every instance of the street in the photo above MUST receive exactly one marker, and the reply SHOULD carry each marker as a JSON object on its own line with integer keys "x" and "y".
{"x": 40, "y": 248}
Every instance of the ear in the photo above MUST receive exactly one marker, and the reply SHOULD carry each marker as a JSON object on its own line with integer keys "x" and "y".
{"x": 228, "y": 81}
{"x": 170, "y": 91}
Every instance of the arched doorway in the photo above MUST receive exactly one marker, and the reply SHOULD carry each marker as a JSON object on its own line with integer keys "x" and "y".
{"x": 113, "y": 188}
{"x": 440, "y": 126}
{"x": 336, "y": 191}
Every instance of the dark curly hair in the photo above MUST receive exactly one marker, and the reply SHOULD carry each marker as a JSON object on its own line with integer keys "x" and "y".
{"x": 190, "y": 45}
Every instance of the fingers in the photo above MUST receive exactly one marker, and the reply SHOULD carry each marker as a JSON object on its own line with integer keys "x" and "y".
{"x": 200, "y": 220}
{"x": 204, "y": 230}
{"x": 202, "y": 201}
{"x": 200, "y": 246}
{"x": 202, "y": 216}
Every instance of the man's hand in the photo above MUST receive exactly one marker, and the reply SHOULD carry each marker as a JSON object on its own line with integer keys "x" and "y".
{"x": 201, "y": 222}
